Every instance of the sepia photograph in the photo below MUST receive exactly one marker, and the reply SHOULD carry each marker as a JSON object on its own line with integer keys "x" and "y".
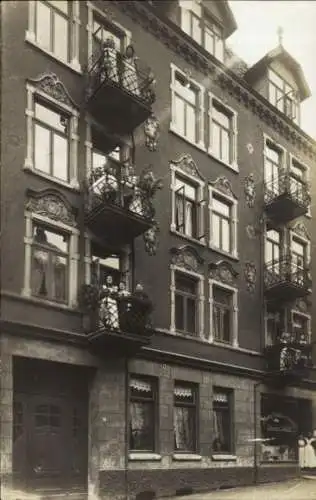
{"x": 158, "y": 250}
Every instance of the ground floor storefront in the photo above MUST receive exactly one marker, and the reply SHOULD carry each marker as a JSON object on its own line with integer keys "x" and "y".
{"x": 87, "y": 427}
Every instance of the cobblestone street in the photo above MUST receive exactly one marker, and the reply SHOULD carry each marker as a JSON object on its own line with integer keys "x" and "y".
{"x": 302, "y": 489}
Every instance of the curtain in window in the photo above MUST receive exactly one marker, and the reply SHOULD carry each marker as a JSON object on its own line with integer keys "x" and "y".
{"x": 39, "y": 272}
{"x": 141, "y": 426}
{"x": 182, "y": 429}
{"x": 59, "y": 277}
{"x": 184, "y": 216}
{"x": 219, "y": 441}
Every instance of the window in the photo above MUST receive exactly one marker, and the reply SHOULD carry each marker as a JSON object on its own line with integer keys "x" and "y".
{"x": 299, "y": 183}
{"x": 222, "y": 421}
{"x": 222, "y": 314}
{"x": 51, "y": 142}
{"x": 102, "y": 32}
{"x": 49, "y": 417}
{"x": 223, "y": 221}
{"x": 223, "y": 133}
{"x": 185, "y": 417}
{"x": 50, "y": 264}
{"x": 301, "y": 326}
{"x": 109, "y": 264}
{"x": 272, "y": 166}
{"x": 273, "y": 250}
{"x": 275, "y": 325}
{"x": 204, "y": 31}
{"x": 187, "y": 108}
{"x": 299, "y": 260}
{"x": 186, "y": 208}
{"x": 221, "y": 224}
{"x": 143, "y": 398}
{"x": 186, "y": 300}
{"x": 283, "y": 96}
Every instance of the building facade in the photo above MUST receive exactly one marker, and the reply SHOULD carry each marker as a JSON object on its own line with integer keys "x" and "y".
{"x": 157, "y": 253}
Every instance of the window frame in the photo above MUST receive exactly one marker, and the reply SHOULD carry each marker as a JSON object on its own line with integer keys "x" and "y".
{"x": 233, "y": 202}
{"x": 306, "y": 175}
{"x": 229, "y": 393}
{"x": 234, "y": 314}
{"x": 35, "y": 95}
{"x": 74, "y": 24}
{"x": 233, "y": 133}
{"x": 199, "y": 184}
{"x": 305, "y": 242}
{"x": 154, "y": 382}
{"x": 95, "y": 12}
{"x": 295, "y": 103}
{"x": 195, "y": 405}
{"x": 307, "y": 317}
{"x": 199, "y": 108}
{"x": 283, "y": 321}
{"x": 185, "y": 297}
{"x": 73, "y": 255}
{"x": 200, "y": 301}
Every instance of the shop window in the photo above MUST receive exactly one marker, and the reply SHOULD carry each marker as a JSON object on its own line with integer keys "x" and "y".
{"x": 143, "y": 400}
{"x": 222, "y": 421}
{"x": 185, "y": 417}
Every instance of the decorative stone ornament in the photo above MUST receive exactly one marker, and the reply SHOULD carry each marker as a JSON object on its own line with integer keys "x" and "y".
{"x": 151, "y": 239}
{"x": 299, "y": 228}
{"x": 52, "y": 205}
{"x": 52, "y": 86}
{"x": 223, "y": 271}
{"x": 223, "y": 184}
{"x": 187, "y": 165}
{"x": 188, "y": 258}
{"x": 250, "y": 148}
{"x": 250, "y": 190}
{"x": 151, "y": 130}
{"x": 250, "y": 276}
{"x": 251, "y": 232}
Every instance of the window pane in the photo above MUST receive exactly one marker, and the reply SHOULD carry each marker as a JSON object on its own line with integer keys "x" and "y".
{"x": 179, "y": 312}
{"x": 188, "y": 190}
{"x": 219, "y": 48}
{"x": 221, "y": 207}
{"x": 57, "y": 241}
{"x": 60, "y": 157}
{"x": 39, "y": 273}
{"x": 276, "y": 79}
{"x": 226, "y": 237}
{"x": 225, "y": 156}
{"x": 42, "y": 149}
{"x": 209, "y": 41}
{"x": 191, "y": 123}
{"x": 216, "y": 139}
{"x": 179, "y": 114}
{"x": 272, "y": 94}
{"x": 184, "y": 428}
{"x": 216, "y": 230}
{"x": 61, "y": 5}
{"x": 55, "y": 120}
{"x": 220, "y": 117}
{"x": 59, "y": 277}
{"x": 61, "y": 41}
{"x": 186, "y": 284}
{"x": 98, "y": 159}
{"x": 43, "y": 25}
{"x": 191, "y": 315}
{"x": 142, "y": 426}
{"x": 222, "y": 432}
{"x": 196, "y": 29}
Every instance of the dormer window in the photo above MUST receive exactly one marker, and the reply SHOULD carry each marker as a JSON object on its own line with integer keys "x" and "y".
{"x": 202, "y": 29}
{"x": 283, "y": 96}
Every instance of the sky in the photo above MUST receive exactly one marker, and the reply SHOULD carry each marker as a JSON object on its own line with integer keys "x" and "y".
{"x": 257, "y": 33}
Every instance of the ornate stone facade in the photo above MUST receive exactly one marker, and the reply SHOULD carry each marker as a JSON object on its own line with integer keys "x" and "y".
{"x": 187, "y": 165}
{"x": 188, "y": 258}
{"x": 52, "y": 86}
{"x": 250, "y": 272}
{"x": 222, "y": 184}
{"x": 52, "y": 205}
{"x": 151, "y": 239}
{"x": 151, "y": 131}
{"x": 223, "y": 271}
{"x": 250, "y": 190}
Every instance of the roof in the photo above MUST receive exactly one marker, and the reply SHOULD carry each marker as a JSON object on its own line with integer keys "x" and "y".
{"x": 228, "y": 19}
{"x": 280, "y": 54}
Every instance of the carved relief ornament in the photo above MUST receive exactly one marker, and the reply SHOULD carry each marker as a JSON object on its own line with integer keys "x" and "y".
{"x": 250, "y": 276}
{"x": 187, "y": 165}
{"x": 151, "y": 239}
{"x": 54, "y": 87}
{"x": 52, "y": 205}
{"x": 188, "y": 258}
{"x": 250, "y": 190}
{"x": 300, "y": 229}
{"x": 223, "y": 184}
{"x": 223, "y": 271}
{"x": 151, "y": 130}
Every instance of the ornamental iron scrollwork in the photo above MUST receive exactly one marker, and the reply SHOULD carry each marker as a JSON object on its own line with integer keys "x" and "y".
{"x": 285, "y": 185}
{"x": 151, "y": 130}
{"x": 286, "y": 270}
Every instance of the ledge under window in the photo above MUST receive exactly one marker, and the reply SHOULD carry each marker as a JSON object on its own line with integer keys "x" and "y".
{"x": 199, "y": 145}
{"x": 222, "y": 252}
{"x": 73, "y": 185}
{"x": 224, "y": 457}
{"x": 189, "y": 238}
{"x": 74, "y": 66}
{"x": 186, "y": 457}
{"x": 138, "y": 456}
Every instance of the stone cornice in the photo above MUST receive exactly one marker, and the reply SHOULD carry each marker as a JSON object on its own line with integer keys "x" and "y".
{"x": 171, "y": 35}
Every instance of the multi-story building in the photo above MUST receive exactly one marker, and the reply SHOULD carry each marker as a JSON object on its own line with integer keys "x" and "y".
{"x": 144, "y": 164}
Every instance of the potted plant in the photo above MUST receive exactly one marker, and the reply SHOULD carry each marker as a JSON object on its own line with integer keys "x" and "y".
{"x": 135, "y": 311}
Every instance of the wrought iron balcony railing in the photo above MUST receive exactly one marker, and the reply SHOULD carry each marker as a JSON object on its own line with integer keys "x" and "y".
{"x": 117, "y": 84}
{"x": 287, "y": 273}
{"x": 291, "y": 356}
{"x": 285, "y": 184}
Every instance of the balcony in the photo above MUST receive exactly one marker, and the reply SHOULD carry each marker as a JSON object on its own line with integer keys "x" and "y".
{"x": 118, "y": 203}
{"x": 290, "y": 357}
{"x": 286, "y": 280}
{"x": 285, "y": 199}
{"x": 119, "y": 322}
{"x": 120, "y": 90}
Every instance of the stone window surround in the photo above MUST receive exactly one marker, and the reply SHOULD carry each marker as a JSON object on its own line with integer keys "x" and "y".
{"x": 200, "y": 186}
{"x": 200, "y": 300}
{"x": 32, "y": 94}
{"x": 201, "y": 91}
{"x": 234, "y": 291}
{"x": 74, "y": 24}
{"x": 92, "y": 10}
{"x": 234, "y": 221}
{"x": 233, "y": 165}
{"x": 74, "y": 256}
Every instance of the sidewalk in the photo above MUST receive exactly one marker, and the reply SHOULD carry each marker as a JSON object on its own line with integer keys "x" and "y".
{"x": 296, "y": 489}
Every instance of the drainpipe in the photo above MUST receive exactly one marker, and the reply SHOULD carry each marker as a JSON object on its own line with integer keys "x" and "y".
{"x": 255, "y": 447}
